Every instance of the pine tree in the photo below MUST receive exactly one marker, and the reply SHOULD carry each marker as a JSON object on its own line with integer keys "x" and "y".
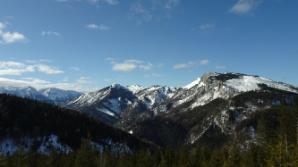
{"x": 85, "y": 156}
{"x": 2, "y": 161}
{"x": 234, "y": 158}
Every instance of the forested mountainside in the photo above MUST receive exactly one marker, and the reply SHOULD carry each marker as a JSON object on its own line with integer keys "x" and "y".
{"x": 35, "y": 126}
{"x": 275, "y": 144}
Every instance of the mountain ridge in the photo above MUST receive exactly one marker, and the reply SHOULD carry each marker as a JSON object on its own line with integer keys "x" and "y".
{"x": 214, "y": 102}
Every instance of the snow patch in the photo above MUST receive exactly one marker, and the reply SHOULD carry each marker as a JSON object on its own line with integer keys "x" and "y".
{"x": 251, "y": 83}
{"x": 135, "y": 88}
{"x": 106, "y": 111}
{"x": 192, "y": 84}
{"x": 8, "y": 146}
{"x": 52, "y": 142}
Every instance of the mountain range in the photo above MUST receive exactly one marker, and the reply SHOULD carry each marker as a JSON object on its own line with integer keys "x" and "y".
{"x": 213, "y": 110}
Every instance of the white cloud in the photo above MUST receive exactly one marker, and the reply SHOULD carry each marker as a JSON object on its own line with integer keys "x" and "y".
{"x": 19, "y": 68}
{"x": 220, "y": 67}
{"x": 153, "y": 75}
{"x": 7, "y": 37}
{"x": 167, "y": 4}
{"x": 16, "y": 72}
{"x": 139, "y": 12}
{"x": 75, "y": 69}
{"x": 92, "y": 26}
{"x": 245, "y": 6}
{"x": 190, "y": 64}
{"x": 146, "y": 11}
{"x": 50, "y": 33}
{"x": 36, "y": 81}
{"x": 206, "y": 27}
{"x": 204, "y": 62}
{"x": 100, "y": 27}
{"x": 4, "y": 64}
{"x": 14, "y": 82}
{"x": 129, "y": 65}
{"x": 124, "y": 67}
{"x": 183, "y": 65}
{"x": 46, "y": 69}
{"x": 11, "y": 37}
{"x": 108, "y": 2}
{"x": 2, "y": 26}
{"x": 14, "y": 68}
{"x": 80, "y": 84}
{"x": 108, "y": 80}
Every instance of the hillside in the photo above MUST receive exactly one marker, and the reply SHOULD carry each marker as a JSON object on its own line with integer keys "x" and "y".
{"x": 32, "y": 125}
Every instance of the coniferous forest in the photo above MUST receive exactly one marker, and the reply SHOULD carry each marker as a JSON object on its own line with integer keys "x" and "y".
{"x": 275, "y": 144}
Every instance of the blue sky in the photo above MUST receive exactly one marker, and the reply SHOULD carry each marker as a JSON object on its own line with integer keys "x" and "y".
{"x": 88, "y": 44}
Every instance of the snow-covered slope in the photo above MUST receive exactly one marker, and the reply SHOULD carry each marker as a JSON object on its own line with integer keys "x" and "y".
{"x": 250, "y": 83}
{"x": 105, "y": 104}
{"x": 223, "y": 85}
{"x": 135, "y": 88}
{"x": 155, "y": 95}
{"x": 111, "y": 102}
{"x": 192, "y": 84}
{"x": 59, "y": 96}
{"x": 24, "y": 92}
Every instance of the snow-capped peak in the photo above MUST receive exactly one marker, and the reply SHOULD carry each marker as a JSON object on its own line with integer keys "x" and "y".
{"x": 117, "y": 86}
{"x": 192, "y": 84}
{"x": 135, "y": 88}
{"x": 216, "y": 85}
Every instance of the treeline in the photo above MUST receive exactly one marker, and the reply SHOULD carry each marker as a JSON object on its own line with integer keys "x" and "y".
{"x": 278, "y": 155}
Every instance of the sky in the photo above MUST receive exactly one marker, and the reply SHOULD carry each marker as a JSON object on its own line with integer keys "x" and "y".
{"x": 88, "y": 44}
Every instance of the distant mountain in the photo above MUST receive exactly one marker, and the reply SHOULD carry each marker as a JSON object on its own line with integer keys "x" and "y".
{"x": 60, "y": 96}
{"x": 50, "y": 95}
{"x": 24, "y": 92}
{"x": 36, "y": 126}
{"x": 111, "y": 103}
